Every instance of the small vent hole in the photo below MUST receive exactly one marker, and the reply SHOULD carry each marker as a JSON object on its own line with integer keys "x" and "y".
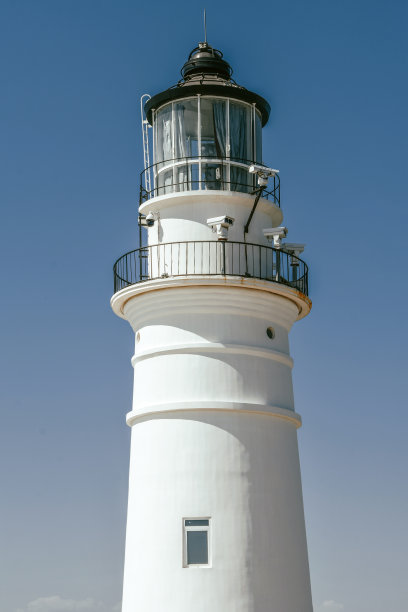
{"x": 270, "y": 332}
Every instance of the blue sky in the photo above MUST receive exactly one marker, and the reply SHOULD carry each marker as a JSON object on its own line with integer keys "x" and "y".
{"x": 72, "y": 73}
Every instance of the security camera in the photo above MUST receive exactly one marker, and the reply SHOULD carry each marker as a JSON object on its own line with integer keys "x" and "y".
{"x": 276, "y": 234}
{"x": 150, "y": 219}
{"x": 256, "y": 169}
{"x": 293, "y": 249}
{"x": 220, "y": 226}
{"x": 224, "y": 220}
{"x": 263, "y": 173}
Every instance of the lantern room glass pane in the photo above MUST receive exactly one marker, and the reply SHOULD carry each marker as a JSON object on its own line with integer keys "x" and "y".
{"x": 213, "y": 123}
{"x": 210, "y": 149}
{"x": 212, "y": 176}
{"x": 164, "y": 145}
{"x": 186, "y": 128}
{"x": 241, "y": 180}
{"x": 240, "y": 132}
{"x": 165, "y": 182}
{"x": 240, "y": 118}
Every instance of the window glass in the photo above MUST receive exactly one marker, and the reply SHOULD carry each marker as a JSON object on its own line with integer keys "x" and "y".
{"x": 213, "y": 122}
{"x": 184, "y": 135}
{"x": 186, "y": 128}
{"x": 165, "y": 182}
{"x": 164, "y": 147}
{"x": 240, "y": 132}
{"x": 241, "y": 180}
{"x": 211, "y": 176}
{"x": 196, "y": 542}
{"x": 197, "y": 547}
{"x": 183, "y": 182}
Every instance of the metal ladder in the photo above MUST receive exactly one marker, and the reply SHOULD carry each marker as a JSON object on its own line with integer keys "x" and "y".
{"x": 146, "y": 153}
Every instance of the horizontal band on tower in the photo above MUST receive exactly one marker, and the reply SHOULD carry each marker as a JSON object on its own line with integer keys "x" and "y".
{"x": 214, "y": 347}
{"x": 212, "y": 406}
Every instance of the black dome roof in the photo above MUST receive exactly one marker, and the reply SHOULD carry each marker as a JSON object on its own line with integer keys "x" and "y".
{"x": 204, "y": 59}
{"x": 207, "y": 73}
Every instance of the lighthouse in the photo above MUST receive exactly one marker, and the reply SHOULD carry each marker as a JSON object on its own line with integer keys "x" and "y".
{"x": 215, "y": 517}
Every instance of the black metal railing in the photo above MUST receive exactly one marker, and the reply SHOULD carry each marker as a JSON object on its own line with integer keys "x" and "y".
{"x": 210, "y": 257}
{"x": 206, "y": 172}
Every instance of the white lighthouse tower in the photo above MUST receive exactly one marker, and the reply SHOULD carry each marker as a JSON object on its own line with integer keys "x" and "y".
{"x": 215, "y": 516}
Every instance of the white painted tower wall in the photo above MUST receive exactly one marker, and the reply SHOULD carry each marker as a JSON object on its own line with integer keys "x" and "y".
{"x": 213, "y": 427}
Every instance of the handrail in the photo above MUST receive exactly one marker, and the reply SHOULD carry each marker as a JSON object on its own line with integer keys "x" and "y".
{"x": 213, "y": 258}
{"x": 211, "y": 172}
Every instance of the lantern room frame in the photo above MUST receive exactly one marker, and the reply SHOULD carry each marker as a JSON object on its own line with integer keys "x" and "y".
{"x": 202, "y": 169}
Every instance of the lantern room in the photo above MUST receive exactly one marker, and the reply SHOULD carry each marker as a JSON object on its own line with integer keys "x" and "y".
{"x": 207, "y": 130}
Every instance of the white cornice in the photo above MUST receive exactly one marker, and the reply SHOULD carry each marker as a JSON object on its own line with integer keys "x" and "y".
{"x": 289, "y": 303}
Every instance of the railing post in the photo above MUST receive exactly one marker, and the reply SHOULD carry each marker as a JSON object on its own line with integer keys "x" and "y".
{"x": 294, "y": 263}
{"x": 139, "y": 255}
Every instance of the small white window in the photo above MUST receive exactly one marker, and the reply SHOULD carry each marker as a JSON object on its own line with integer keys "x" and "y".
{"x": 196, "y": 546}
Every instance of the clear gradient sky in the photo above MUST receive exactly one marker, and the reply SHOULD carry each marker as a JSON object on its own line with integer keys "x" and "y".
{"x": 72, "y": 73}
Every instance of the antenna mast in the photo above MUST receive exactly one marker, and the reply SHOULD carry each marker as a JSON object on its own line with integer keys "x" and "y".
{"x": 205, "y": 26}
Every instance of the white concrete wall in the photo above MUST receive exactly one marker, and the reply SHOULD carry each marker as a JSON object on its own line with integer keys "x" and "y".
{"x": 243, "y": 472}
{"x": 214, "y": 434}
{"x": 207, "y": 344}
{"x": 184, "y": 216}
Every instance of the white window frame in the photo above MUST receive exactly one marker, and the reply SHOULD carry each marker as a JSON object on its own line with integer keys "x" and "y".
{"x": 186, "y": 529}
